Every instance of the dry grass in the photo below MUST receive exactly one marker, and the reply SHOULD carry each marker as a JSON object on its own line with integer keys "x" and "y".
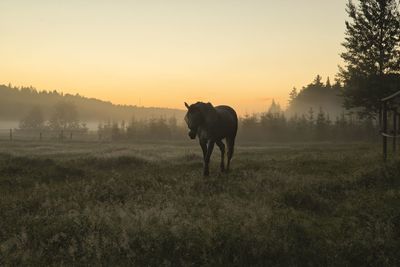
{"x": 148, "y": 205}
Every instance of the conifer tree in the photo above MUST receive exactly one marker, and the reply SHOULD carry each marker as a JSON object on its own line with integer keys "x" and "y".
{"x": 328, "y": 83}
{"x": 321, "y": 124}
{"x": 293, "y": 95}
{"x": 372, "y": 56}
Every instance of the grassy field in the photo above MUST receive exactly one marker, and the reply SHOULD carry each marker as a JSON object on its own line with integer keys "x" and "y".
{"x": 149, "y": 205}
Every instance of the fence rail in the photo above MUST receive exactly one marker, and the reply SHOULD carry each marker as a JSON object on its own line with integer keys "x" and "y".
{"x": 389, "y": 110}
{"x": 48, "y": 135}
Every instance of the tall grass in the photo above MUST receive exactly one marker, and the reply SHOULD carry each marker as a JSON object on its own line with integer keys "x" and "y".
{"x": 148, "y": 205}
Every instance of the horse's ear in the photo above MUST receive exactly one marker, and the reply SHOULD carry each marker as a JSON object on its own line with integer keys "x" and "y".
{"x": 186, "y": 105}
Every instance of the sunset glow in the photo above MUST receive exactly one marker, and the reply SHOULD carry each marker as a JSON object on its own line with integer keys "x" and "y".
{"x": 162, "y": 53}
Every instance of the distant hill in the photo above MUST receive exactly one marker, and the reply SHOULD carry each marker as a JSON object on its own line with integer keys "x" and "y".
{"x": 16, "y": 102}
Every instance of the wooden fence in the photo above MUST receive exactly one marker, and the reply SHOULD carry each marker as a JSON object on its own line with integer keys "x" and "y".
{"x": 48, "y": 135}
{"x": 389, "y": 118}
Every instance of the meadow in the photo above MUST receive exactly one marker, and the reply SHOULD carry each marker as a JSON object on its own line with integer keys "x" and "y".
{"x": 126, "y": 204}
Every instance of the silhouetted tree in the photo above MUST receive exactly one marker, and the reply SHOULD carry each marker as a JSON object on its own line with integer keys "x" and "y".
{"x": 274, "y": 108}
{"x": 34, "y": 120}
{"x": 318, "y": 81}
{"x": 310, "y": 116}
{"x": 16, "y": 102}
{"x": 131, "y": 130}
{"x": 372, "y": 56}
{"x": 64, "y": 116}
{"x": 115, "y": 131}
{"x": 273, "y": 122}
{"x": 158, "y": 128}
{"x": 328, "y": 83}
{"x": 321, "y": 125}
{"x": 292, "y": 95}
{"x": 173, "y": 126}
{"x": 250, "y": 127}
{"x": 316, "y": 95}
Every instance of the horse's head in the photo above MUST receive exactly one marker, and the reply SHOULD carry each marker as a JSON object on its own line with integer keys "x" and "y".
{"x": 193, "y": 119}
{"x": 197, "y": 115}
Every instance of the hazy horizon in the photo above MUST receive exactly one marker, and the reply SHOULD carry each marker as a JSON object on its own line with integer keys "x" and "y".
{"x": 155, "y": 54}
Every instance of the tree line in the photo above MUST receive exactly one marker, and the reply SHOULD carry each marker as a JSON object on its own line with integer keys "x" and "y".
{"x": 371, "y": 71}
{"x": 349, "y": 108}
{"x": 161, "y": 128}
{"x": 315, "y": 95}
{"x": 16, "y": 102}
{"x": 64, "y": 116}
{"x": 315, "y": 125}
{"x": 270, "y": 126}
{"x": 315, "y": 113}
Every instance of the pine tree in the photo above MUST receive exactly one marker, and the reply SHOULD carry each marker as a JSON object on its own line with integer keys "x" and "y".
{"x": 372, "y": 56}
{"x": 293, "y": 95}
{"x": 249, "y": 126}
{"x": 328, "y": 83}
{"x": 274, "y": 109}
{"x": 318, "y": 81}
{"x": 321, "y": 124}
{"x": 310, "y": 117}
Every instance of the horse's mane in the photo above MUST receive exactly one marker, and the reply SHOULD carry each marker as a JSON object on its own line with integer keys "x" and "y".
{"x": 208, "y": 112}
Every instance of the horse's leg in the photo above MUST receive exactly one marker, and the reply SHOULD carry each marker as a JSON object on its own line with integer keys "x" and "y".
{"x": 221, "y": 146}
{"x": 230, "y": 141}
{"x": 203, "y": 144}
{"x": 210, "y": 147}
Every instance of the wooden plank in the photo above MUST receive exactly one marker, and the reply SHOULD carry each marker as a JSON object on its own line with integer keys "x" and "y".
{"x": 391, "y": 96}
{"x": 384, "y": 131}
{"x": 394, "y": 131}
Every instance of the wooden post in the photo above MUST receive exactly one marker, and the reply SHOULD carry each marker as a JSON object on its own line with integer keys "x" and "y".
{"x": 70, "y": 135}
{"x": 11, "y": 135}
{"x": 62, "y": 135}
{"x": 40, "y": 136}
{"x": 398, "y": 126}
{"x": 384, "y": 131}
{"x": 394, "y": 131}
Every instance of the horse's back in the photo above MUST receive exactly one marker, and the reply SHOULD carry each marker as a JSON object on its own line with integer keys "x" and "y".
{"x": 228, "y": 120}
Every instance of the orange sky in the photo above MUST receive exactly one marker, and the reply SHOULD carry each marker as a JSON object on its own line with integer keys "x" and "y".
{"x": 161, "y": 53}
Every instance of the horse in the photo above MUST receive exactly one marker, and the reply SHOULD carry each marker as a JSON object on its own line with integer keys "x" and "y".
{"x": 211, "y": 125}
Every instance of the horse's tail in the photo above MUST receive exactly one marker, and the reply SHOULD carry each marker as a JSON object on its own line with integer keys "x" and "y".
{"x": 230, "y": 142}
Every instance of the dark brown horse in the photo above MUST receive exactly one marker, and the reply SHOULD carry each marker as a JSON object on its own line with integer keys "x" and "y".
{"x": 212, "y": 125}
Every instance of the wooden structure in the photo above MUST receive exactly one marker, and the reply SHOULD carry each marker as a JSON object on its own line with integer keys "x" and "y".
{"x": 389, "y": 118}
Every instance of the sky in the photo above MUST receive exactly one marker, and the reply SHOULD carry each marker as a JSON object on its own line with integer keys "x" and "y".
{"x": 164, "y": 52}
